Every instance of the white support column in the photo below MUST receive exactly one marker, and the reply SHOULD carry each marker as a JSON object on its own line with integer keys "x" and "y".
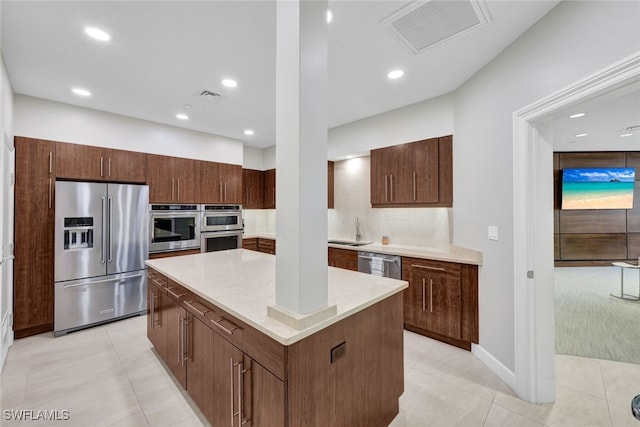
{"x": 301, "y": 163}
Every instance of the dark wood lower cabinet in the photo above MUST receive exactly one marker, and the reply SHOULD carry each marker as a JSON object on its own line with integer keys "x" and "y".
{"x": 343, "y": 258}
{"x": 238, "y": 376}
{"x": 442, "y": 300}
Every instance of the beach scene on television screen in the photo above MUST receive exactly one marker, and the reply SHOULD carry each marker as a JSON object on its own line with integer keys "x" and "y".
{"x": 598, "y": 188}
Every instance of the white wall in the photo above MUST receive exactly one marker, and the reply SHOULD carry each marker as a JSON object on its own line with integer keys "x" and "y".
{"x": 252, "y": 158}
{"x": 426, "y": 119}
{"x": 572, "y": 41}
{"x": 39, "y": 118}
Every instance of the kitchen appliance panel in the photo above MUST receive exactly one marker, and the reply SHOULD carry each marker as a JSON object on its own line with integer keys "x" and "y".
{"x": 128, "y": 241}
{"x": 221, "y": 217}
{"x": 80, "y": 238}
{"x": 380, "y": 264}
{"x": 221, "y": 240}
{"x": 85, "y": 302}
{"x": 174, "y": 227}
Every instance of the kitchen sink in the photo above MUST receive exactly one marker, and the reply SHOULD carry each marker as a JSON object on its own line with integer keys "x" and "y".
{"x": 348, "y": 243}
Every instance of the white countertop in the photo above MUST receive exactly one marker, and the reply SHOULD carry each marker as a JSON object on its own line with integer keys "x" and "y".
{"x": 242, "y": 283}
{"x": 443, "y": 252}
{"x": 434, "y": 251}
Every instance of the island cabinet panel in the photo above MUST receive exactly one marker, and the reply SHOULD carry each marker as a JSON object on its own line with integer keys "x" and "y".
{"x": 156, "y": 312}
{"x": 35, "y": 163}
{"x": 84, "y": 162}
{"x": 441, "y": 301}
{"x": 343, "y": 258}
{"x": 238, "y": 375}
{"x": 220, "y": 183}
{"x": 414, "y": 174}
{"x": 172, "y": 179}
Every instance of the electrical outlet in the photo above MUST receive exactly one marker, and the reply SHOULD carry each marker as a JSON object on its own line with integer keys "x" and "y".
{"x": 493, "y": 232}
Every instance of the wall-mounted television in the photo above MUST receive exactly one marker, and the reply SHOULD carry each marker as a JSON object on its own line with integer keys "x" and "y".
{"x": 597, "y": 188}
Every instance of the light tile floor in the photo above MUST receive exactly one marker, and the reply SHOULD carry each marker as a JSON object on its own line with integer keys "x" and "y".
{"x": 109, "y": 376}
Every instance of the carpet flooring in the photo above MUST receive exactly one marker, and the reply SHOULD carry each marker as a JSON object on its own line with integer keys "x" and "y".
{"x": 592, "y": 323}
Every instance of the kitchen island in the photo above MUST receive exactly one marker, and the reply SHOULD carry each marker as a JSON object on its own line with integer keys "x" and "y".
{"x": 208, "y": 321}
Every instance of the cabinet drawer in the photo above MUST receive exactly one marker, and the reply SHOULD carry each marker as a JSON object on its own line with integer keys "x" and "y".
{"x": 441, "y": 267}
{"x": 156, "y": 278}
{"x": 226, "y": 326}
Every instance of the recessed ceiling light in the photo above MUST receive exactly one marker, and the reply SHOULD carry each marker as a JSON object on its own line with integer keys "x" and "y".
{"x": 329, "y": 15}
{"x": 80, "y": 91}
{"x": 580, "y": 135}
{"x": 182, "y": 116}
{"x": 395, "y": 74}
{"x": 229, "y": 83}
{"x": 575, "y": 116}
{"x": 624, "y": 135}
{"x": 97, "y": 34}
{"x": 248, "y": 132}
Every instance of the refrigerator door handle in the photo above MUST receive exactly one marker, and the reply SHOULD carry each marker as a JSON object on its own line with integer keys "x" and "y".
{"x": 104, "y": 237}
{"x": 110, "y": 230}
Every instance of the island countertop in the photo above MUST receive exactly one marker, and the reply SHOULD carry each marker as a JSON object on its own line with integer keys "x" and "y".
{"x": 242, "y": 283}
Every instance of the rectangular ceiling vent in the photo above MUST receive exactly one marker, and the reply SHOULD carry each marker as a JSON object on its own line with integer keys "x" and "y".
{"x": 423, "y": 24}
{"x": 209, "y": 96}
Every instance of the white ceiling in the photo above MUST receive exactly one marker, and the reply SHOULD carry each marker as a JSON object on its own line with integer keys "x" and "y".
{"x": 164, "y": 53}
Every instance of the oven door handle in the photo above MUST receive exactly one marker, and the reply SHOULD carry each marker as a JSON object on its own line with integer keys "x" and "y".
{"x": 208, "y": 234}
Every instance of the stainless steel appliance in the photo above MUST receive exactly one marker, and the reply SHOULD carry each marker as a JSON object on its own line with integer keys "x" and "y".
{"x": 221, "y": 228}
{"x": 101, "y": 243}
{"x": 380, "y": 264}
{"x": 174, "y": 227}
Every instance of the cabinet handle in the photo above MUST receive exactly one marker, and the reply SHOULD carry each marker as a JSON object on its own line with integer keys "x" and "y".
{"x": 101, "y": 166}
{"x": 178, "y": 198}
{"x": 158, "y": 282}
{"x": 428, "y": 268}
{"x": 50, "y": 187}
{"x": 50, "y": 161}
{"x": 225, "y": 191}
{"x": 104, "y": 227}
{"x": 180, "y": 340}
{"x": 431, "y": 295}
{"x": 424, "y": 307}
{"x": 391, "y": 186}
{"x": 386, "y": 189}
{"x": 109, "y": 166}
{"x": 249, "y": 191}
{"x": 240, "y": 393}
{"x": 172, "y": 189}
{"x": 220, "y": 198}
{"x": 201, "y": 313}
{"x": 226, "y": 330}
{"x": 151, "y": 310}
{"x": 173, "y": 294}
{"x": 414, "y": 186}
{"x": 232, "y": 390}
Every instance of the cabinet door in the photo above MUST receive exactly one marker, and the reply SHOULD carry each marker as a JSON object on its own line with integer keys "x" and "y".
{"x": 231, "y": 178}
{"x": 160, "y": 179}
{"x": 252, "y": 189}
{"x": 250, "y": 244}
{"x": 264, "y": 396}
{"x": 270, "y": 189}
{"x": 176, "y": 340}
{"x": 226, "y": 363}
{"x": 75, "y": 161}
{"x": 156, "y": 318}
{"x": 268, "y": 246}
{"x": 379, "y": 183}
{"x": 445, "y": 170}
{"x": 186, "y": 173}
{"x": 425, "y": 174}
{"x": 34, "y": 234}
{"x": 343, "y": 258}
{"x": 200, "y": 377}
{"x": 398, "y": 161}
{"x": 445, "y": 305}
{"x": 125, "y": 166}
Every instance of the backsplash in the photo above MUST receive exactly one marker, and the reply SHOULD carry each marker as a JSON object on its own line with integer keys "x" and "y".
{"x": 405, "y": 226}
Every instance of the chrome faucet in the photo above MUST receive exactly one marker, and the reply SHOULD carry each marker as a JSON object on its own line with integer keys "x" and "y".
{"x": 358, "y": 232}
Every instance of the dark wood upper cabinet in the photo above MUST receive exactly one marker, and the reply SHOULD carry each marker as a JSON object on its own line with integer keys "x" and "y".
{"x": 270, "y": 189}
{"x": 220, "y": 183}
{"x": 34, "y": 236}
{"x": 413, "y": 174}
{"x": 252, "y": 189}
{"x": 173, "y": 179}
{"x": 85, "y": 162}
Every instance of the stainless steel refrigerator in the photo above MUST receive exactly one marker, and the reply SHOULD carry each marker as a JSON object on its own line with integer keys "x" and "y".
{"x": 101, "y": 244}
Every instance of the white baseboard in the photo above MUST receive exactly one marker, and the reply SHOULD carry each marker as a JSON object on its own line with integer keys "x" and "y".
{"x": 505, "y": 374}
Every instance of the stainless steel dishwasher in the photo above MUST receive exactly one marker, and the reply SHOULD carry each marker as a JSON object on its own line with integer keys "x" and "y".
{"x": 380, "y": 264}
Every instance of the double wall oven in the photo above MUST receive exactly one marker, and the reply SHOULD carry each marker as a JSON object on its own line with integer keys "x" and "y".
{"x": 221, "y": 227}
{"x": 205, "y": 227}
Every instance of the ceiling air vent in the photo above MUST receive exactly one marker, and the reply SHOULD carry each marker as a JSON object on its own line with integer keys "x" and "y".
{"x": 423, "y": 24}
{"x": 209, "y": 96}
{"x": 630, "y": 129}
